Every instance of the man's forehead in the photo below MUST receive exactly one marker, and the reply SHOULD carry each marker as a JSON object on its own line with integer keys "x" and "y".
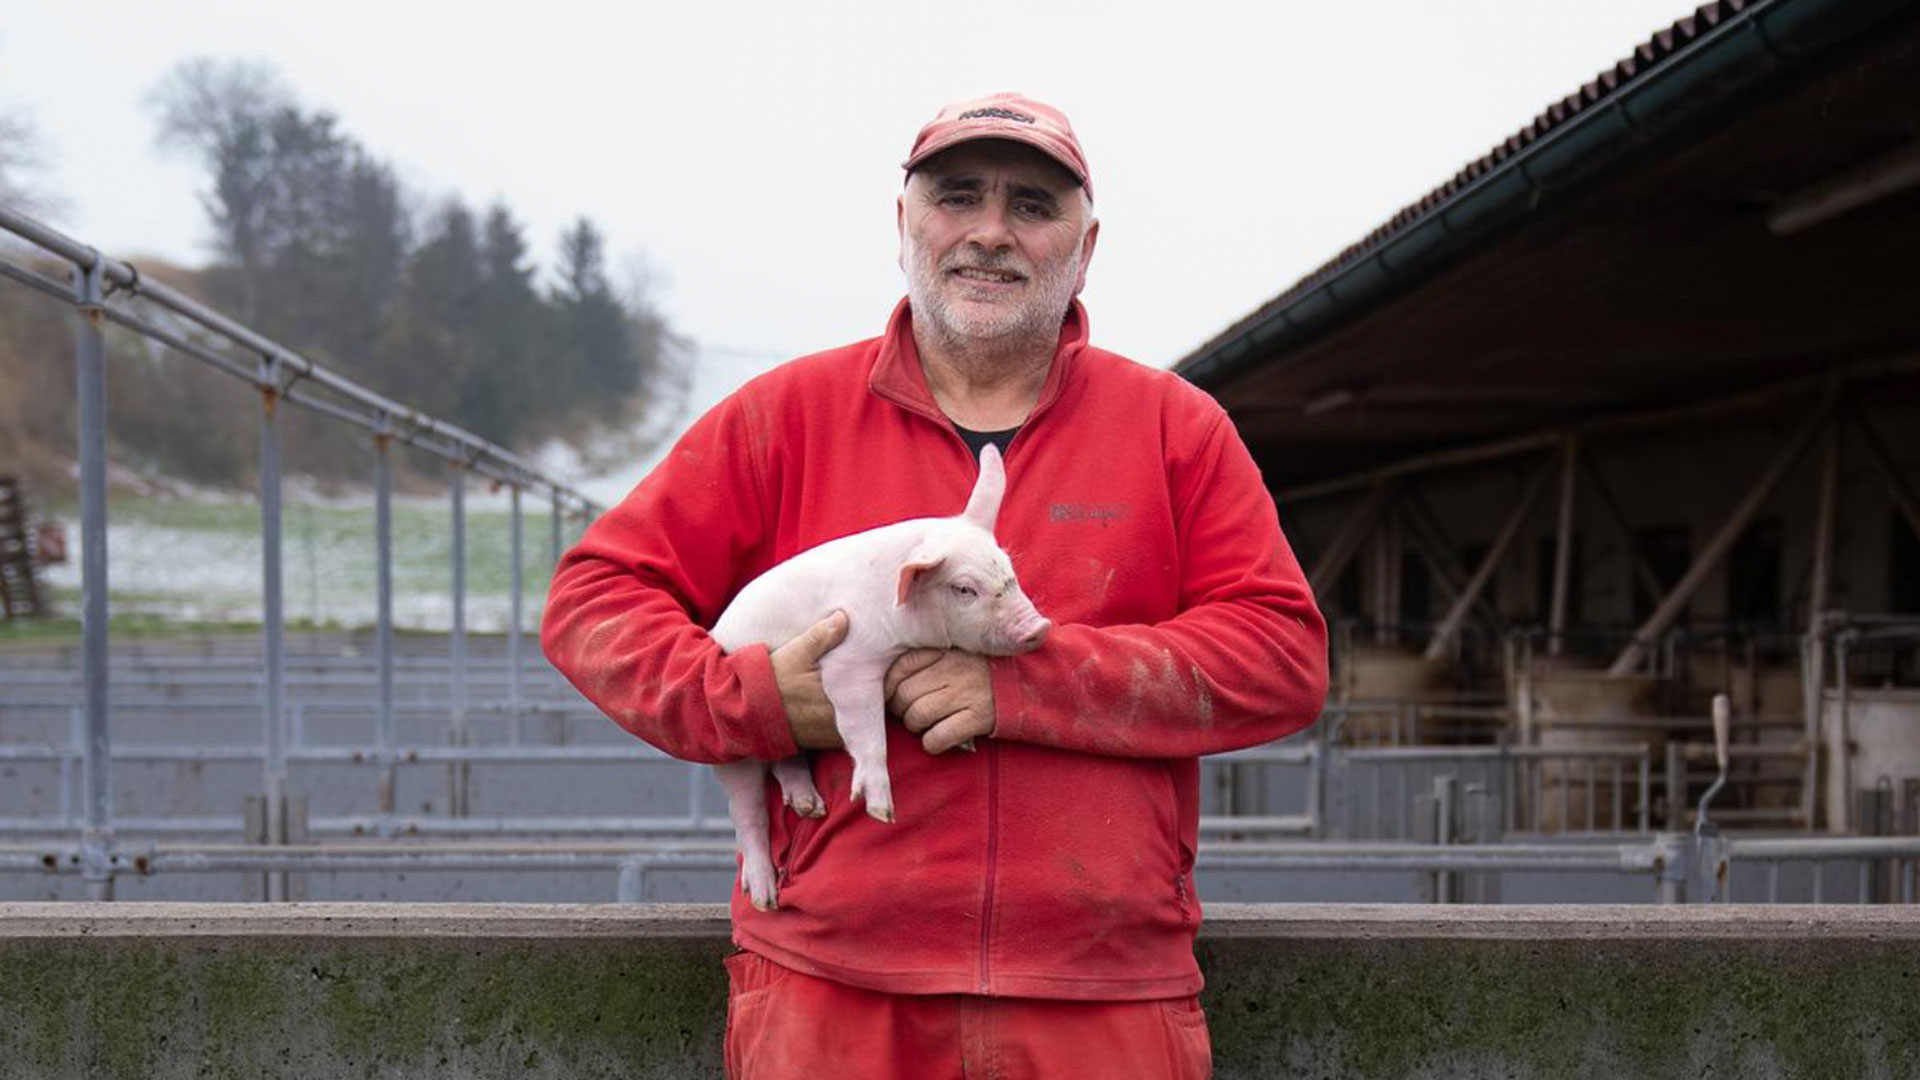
{"x": 977, "y": 159}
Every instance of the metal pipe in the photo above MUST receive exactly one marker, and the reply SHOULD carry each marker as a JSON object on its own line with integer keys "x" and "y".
{"x": 90, "y": 352}
{"x": 457, "y": 686}
{"x": 1563, "y": 547}
{"x": 1845, "y": 734}
{"x": 1384, "y": 599}
{"x": 1450, "y": 625}
{"x": 513, "y": 625}
{"x": 383, "y": 543}
{"x": 1716, "y": 548}
{"x": 1825, "y": 847}
{"x": 274, "y": 778}
{"x": 1813, "y": 650}
{"x": 1823, "y": 528}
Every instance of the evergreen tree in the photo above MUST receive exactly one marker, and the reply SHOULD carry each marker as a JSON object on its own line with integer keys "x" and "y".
{"x": 595, "y": 363}
{"x": 315, "y": 248}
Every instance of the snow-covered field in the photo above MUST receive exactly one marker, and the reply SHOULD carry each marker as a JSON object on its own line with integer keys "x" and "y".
{"x": 198, "y": 558}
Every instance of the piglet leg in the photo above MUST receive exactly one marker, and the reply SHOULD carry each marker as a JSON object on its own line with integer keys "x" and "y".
{"x": 746, "y": 786}
{"x": 796, "y": 786}
{"x": 859, "y": 712}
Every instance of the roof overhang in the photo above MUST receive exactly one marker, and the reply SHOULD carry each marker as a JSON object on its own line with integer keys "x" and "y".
{"x": 1737, "y": 206}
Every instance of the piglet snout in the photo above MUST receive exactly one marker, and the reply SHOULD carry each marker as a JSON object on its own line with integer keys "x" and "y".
{"x": 1029, "y": 635}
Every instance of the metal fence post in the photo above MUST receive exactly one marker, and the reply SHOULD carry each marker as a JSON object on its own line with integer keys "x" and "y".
{"x": 513, "y": 627}
{"x": 90, "y": 354}
{"x": 1672, "y": 867}
{"x": 274, "y": 780}
{"x": 460, "y": 735}
{"x": 1874, "y": 817}
{"x": 1676, "y": 785}
{"x": 383, "y": 543}
{"x": 1480, "y": 824}
{"x": 632, "y": 884}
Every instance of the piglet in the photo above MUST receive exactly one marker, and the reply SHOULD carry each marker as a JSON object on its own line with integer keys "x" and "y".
{"x": 929, "y": 582}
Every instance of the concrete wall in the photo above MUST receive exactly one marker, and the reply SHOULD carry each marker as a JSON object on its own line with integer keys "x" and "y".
{"x": 319, "y": 991}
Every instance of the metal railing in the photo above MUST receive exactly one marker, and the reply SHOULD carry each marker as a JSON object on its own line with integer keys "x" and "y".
{"x": 1455, "y": 838}
{"x": 1508, "y": 791}
{"x": 106, "y": 290}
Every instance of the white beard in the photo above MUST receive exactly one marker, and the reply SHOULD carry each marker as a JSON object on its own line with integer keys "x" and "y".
{"x": 1034, "y": 319}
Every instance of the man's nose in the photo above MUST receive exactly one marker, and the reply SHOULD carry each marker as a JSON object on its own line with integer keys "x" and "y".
{"x": 990, "y": 227}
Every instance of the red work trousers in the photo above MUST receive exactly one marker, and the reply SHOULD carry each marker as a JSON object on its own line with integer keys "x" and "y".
{"x": 784, "y": 1024}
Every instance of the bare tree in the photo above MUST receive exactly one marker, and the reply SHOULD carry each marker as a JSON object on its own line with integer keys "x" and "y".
{"x": 22, "y": 159}
{"x": 223, "y": 111}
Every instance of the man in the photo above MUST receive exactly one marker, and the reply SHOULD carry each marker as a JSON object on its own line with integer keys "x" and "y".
{"x": 1031, "y": 912}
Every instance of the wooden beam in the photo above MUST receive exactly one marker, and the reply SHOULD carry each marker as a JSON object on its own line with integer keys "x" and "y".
{"x": 1774, "y": 393}
{"x": 1603, "y": 496}
{"x": 1897, "y": 487}
{"x": 1563, "y": 547}
{"x": 1722, "y": 542}
{"x": 1823, "y": 527}
{"x": 1347, "y": 541}
{"x": 1443, "y": 634}
{"x": 1432, "y": 542}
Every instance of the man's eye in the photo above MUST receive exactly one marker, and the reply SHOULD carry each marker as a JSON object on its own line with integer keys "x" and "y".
{"x": 956, "y": 200}
{"x": 966, "y": 592}
{"x": 1034, "y": 209}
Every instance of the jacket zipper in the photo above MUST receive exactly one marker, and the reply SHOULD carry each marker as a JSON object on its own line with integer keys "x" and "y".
{"x": 993, "y": 834}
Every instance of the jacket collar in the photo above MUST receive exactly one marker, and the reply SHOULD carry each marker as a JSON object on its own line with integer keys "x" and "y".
{"x": 897, "y": 376}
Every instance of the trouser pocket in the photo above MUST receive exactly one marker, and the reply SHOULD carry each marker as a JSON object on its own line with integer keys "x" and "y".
{"x": 1190, "y": 1047}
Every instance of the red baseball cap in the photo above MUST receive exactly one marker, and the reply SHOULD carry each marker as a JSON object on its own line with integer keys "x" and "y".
{"x": 1003, "y": 116}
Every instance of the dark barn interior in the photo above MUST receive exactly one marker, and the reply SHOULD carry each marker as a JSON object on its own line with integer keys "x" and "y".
{"x": 1627, "y": 413}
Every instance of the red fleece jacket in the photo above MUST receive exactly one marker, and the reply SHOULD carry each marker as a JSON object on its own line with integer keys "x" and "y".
{"x": 1058, "y": 860}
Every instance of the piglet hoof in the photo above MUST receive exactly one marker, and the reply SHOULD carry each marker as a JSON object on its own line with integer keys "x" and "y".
{"x": 761, "y": 887}
{"x": 808, "y": 804}
{"x": 877, "y": 793}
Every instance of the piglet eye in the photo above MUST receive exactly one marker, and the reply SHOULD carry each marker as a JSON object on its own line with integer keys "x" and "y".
{"x": 967, "y": 592}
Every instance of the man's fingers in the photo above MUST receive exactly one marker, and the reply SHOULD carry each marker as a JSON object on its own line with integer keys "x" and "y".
{"x": 928, "y": 709}
{"x": 954, "y": 731}
{"x": 909, "y": 664}
{"x": 819, "y": 639}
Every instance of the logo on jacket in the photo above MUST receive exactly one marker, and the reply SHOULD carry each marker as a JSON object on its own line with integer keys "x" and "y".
{"x": 997, "y": 113}
{"x": 1101, "y": 512}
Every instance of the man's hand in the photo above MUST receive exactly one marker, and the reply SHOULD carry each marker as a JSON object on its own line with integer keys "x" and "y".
{"x": 796, "y": 671}
{"x": 945, "y": 696}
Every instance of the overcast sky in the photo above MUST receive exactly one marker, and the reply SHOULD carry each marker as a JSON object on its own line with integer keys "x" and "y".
{"x": 751, "y": 150}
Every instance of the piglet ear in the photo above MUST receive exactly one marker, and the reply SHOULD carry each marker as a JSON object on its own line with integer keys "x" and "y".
{"x": 983, "y": 506}
{"x": 917, "y": 565}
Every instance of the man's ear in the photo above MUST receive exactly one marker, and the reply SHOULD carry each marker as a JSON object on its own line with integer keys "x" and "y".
{"x": 917, "y": 566}
{"x": 900, "y": 225}
{"x": 1086, "y": 255}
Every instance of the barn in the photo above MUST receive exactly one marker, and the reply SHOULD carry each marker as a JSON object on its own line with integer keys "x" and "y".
{"x": 1627, "y": 413}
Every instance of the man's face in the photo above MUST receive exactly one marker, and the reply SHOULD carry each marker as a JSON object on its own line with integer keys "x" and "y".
{"x": 995, "y": 238}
